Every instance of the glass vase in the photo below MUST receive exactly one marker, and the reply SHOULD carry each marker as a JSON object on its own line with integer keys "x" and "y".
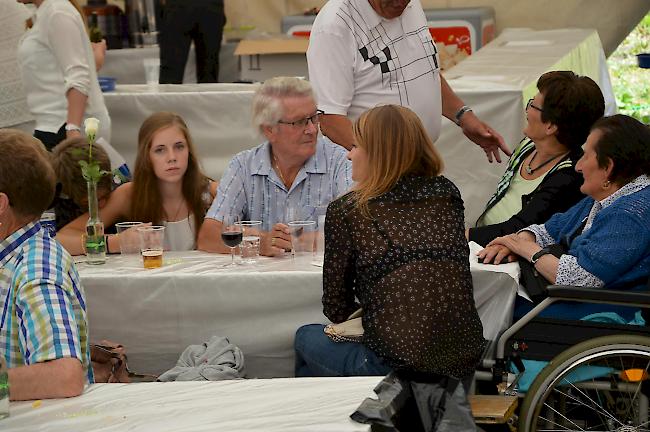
{"x": 95, "y": 241}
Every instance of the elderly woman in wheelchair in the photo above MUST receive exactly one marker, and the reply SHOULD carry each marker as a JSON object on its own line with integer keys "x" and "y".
{"x": 598, "y": 255}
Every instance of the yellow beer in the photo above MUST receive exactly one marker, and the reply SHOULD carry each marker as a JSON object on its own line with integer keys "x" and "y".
{"x": 152, "y": 258}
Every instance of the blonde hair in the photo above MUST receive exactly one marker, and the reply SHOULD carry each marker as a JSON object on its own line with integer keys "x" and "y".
{"x": 267, "y": 107}
{"x": 396, "y": 144}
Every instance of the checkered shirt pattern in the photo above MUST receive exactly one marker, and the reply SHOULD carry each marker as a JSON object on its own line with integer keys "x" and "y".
{"x": 42, "y": 302}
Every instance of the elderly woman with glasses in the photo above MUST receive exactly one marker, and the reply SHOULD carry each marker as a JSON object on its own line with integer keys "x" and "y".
{"x": 602, "y": 241}
{"x": 293, "y": 168}
{"x": 540, "y": 179}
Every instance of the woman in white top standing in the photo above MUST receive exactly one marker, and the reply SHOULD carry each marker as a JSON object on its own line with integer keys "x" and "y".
{"x": 168, "y": 188}
{"x": 58, "y": 68}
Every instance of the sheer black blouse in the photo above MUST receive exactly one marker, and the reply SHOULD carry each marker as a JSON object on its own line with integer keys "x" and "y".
{"x": 408, "y": 267}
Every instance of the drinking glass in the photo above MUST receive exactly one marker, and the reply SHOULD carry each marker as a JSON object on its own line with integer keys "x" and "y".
{"x": 303, "y": 238}
{"x": 128, "y": 237}
{"x": 231, "y": 235}
{"x": 151, "y": 245}
{"x": 250, "y": 247}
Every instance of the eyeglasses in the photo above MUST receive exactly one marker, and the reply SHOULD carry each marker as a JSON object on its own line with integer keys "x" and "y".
{"x": 302, "y": 123}
{"x": 530, "y": 105}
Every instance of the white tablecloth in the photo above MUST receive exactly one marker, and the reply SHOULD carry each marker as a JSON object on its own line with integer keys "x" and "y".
{"x": 125, "y": 65}
{"x": 282, "y": 405}
{"x": 158, "y": 313}
{"x": 496, "y": 82}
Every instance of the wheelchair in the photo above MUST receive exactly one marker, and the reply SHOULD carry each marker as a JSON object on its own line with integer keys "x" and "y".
{"x": 598, "y": 375}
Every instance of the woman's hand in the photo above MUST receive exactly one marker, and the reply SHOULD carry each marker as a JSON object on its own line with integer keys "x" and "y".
{"x": 99, "y": 53}
{"x": 510, "y": 247}
{"x": 519, "y": 244}
{"x": 495, "y": 254}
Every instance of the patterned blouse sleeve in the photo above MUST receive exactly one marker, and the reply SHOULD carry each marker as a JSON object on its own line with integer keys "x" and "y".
{"x": 542, "y": 237}
{"x": 569, "y": 272}
{"x": 338, "y": 267}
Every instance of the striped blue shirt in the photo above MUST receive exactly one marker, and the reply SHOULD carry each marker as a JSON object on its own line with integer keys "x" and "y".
{"x": 252, "y": 190}
{"x": 42, "y": 302}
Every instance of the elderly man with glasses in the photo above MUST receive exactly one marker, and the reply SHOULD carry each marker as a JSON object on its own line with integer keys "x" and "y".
{"x": 293, "y": 169}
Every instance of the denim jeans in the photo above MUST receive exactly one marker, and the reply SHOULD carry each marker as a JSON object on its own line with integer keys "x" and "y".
{"x": 318, "y": 355}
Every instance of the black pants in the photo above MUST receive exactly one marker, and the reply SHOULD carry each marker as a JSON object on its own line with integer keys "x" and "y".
{"x": 185, "y": 21}
{"x": 50, "y": 139}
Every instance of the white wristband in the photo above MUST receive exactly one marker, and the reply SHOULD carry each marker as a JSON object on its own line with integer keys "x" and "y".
{"x": 72, "y": 127}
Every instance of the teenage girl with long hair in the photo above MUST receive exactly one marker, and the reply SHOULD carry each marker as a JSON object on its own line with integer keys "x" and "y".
{"x": 168, "y": 188}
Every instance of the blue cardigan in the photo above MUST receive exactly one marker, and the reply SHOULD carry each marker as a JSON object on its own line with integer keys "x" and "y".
{"x": 616, "y": 249}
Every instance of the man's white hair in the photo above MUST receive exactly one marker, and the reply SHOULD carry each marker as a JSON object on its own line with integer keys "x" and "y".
{"x": 267, "y": 102}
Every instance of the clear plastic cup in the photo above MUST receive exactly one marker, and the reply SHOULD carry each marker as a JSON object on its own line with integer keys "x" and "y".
{"x": 128, "y": 237}
{"x": 152, "y": 239}
{"x": 250, "y": 245}
{"x": 303, "y": 238}
{"x": 152, "y": 72}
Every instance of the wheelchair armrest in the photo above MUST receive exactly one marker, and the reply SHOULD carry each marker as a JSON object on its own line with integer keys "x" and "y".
{"x": 594, "y": 295}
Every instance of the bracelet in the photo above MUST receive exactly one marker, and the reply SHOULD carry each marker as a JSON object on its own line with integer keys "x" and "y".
{"x": 461, "y": 112}
{"x": 72, "y": 127}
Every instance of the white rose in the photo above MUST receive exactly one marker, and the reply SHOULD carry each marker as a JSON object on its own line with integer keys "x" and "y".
{"x": 91, "y": 125}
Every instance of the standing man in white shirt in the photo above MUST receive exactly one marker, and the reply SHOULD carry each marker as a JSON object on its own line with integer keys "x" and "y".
{"x": 363, "y": 53}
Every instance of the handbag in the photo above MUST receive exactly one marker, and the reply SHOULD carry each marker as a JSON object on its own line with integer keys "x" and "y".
{"x": 110, "y": 365}
{"x": 347, "y": 331}
{"x": 109, "y": 362}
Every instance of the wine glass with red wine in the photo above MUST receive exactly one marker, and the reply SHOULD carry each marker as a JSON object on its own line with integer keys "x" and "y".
{"x": 231, "y": 235}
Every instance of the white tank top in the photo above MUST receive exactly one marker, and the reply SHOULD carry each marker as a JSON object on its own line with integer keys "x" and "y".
{"x": 180, "y": 235}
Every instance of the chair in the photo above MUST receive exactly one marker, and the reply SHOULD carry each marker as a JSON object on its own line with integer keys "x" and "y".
{"x": 597, "y": 377}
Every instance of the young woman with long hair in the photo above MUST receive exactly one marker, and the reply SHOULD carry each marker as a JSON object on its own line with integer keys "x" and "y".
{"x": 168, "y": 188}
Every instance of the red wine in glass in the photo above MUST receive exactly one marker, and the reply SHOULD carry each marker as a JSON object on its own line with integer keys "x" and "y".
{"x": 231, "y": 238}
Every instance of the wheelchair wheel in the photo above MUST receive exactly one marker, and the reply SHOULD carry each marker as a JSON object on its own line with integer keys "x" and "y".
{"x": 602, "y": 384}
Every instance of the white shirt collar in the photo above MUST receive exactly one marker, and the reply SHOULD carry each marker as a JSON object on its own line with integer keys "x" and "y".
{"x": 635, "y": 185}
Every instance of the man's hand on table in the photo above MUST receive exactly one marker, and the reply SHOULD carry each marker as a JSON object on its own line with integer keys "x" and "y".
{"x": 276, "y": 242}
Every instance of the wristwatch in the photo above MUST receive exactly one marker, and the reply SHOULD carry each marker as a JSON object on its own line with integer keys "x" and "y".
{"x": 460, "y": 113}
{"x": 72, "y": 127}
{"x": 540, "y": 253}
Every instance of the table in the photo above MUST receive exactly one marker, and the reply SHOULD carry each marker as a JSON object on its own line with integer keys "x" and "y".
{"x": 156, "y": 314}
{"x": 304, "y": 404}
{"x": 125, "y": 65}
{"x": 496, "y": 82}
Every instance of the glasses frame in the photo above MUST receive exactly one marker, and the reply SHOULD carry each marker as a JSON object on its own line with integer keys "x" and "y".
{"x": 530, "y": 105}
{"x": 303, "y": 122}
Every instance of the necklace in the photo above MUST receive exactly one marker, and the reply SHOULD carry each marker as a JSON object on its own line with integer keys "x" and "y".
{"x": 530, "y": 170}
{"x": 178, "y": 209}
{"x": 277, "y": 167}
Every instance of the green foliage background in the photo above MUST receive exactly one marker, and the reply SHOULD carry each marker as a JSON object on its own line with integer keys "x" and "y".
{"x": 632, "y": 83}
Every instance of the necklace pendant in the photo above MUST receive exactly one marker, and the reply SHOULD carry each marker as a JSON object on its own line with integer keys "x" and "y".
{"x": 528, "y": 170}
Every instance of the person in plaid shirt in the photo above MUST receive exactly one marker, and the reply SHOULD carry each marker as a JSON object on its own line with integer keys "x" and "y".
{"x": 43, "y": 327}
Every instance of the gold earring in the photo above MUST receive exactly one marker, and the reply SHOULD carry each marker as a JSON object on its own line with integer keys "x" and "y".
{"x": 606, "y": 184}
